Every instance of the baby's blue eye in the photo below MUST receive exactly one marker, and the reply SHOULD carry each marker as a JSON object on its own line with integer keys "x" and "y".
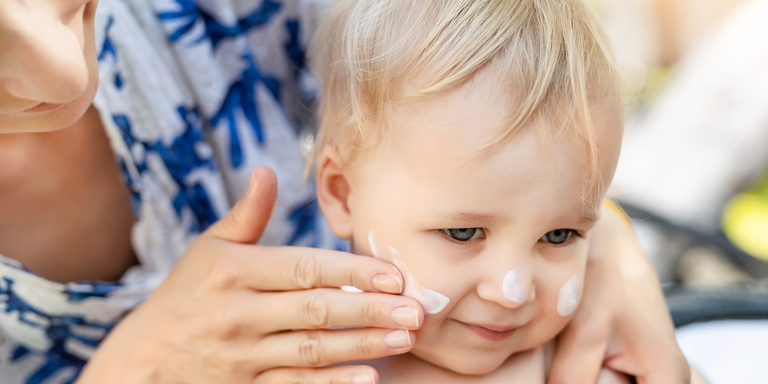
{"x": 464, "y": 234}
{"x": 558, "y": 236}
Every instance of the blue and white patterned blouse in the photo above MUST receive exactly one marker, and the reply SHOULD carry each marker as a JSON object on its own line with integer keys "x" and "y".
{"x": 194, "y": 95}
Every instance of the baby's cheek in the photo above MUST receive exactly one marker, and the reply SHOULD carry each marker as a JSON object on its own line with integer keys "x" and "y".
{"x": 569, "y": 296}
{"x": 557, "y": 299}
{"x": 543, "y": 329}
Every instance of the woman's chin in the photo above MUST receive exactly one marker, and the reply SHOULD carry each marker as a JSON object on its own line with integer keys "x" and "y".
{"x": 45, "y": 119}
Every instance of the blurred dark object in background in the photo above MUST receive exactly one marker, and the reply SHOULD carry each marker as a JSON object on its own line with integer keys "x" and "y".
{"x": 693, "y": 173}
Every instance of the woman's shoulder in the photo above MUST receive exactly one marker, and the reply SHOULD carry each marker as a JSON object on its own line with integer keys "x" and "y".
{"x": 196, "y": 94}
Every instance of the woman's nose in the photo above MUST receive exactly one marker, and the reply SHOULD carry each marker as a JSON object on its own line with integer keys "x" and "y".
{"x": 512, "y": 288}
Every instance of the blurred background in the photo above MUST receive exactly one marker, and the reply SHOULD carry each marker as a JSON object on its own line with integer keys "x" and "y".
{"x": 693, "y": 173}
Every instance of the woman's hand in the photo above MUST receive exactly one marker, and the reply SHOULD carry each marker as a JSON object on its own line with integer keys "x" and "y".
{"x": 233, "y": 312}
{"x": 622, "y": 322}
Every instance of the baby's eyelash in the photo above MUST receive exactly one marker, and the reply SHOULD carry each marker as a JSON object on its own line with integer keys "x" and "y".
{"x": 560, "y": 236}
{"x": 463, "y": 236}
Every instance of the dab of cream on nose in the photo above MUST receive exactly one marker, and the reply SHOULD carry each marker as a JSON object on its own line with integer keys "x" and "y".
{"x": 513, "y": 290}
{"x": 432, "y": 302}
{"x": 569, "y": 297}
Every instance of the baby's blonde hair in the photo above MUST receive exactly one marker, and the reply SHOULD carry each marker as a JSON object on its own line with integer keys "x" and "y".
{"x": 371, "y": 55}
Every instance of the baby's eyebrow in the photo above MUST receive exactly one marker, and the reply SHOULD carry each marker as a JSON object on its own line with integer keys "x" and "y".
{"x": 464, "y": 217}
{"x": 478, "y": 218}
{"x": 589, "y": 217}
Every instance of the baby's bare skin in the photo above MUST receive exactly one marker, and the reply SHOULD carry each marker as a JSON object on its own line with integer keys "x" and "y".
{"x": 528, "y": 367}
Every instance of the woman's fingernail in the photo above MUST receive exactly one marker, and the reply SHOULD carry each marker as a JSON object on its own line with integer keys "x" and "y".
{"x": 387, "y": 283}
{"x": 397, "y": 339}
{"x": 364, "y": 378}
{"x": 406, "y": 316}
{"x": 252, "y": 183}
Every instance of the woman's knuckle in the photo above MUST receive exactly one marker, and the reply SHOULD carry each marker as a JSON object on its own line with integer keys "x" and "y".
{"x": 224, "y": 324}
{"x": 358, "y": 277}
{"x": 223, "y": 273}
{"x": 315, "y": 311}
{"x": 310, "y": 350}
{"x": 369, "y": 312}
{"x": 366, "y": 347}
{"x": 230, "y": 366}
{"x": 305, "y": 272}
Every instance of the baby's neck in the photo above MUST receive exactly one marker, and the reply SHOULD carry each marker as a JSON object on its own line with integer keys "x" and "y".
{"x": 525, "y": 367}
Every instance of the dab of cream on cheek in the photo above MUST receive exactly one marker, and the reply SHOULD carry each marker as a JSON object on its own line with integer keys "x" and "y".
{"x": 569, "y": 296}
{"x": 513, "y": 290}
{"x": 432, "y": 302}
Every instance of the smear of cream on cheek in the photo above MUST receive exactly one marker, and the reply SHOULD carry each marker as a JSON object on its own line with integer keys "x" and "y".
{"x": 513, "y": 291}
{"x": 569, "y": 297}
{"x": 433, "y": 302}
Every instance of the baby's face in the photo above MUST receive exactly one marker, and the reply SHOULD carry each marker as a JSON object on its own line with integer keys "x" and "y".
{"x": 470, "y": 224}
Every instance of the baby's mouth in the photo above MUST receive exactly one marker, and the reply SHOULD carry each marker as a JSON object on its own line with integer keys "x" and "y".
{"x": 490, "y": 332}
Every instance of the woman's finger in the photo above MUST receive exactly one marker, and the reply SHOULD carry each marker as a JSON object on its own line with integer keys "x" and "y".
{"x": 246, "y": 221}
{"x": 653, "y": 358}
{"x": 580, "y": 352}
{"x": 312, "y": 349}
{"x": 351, "y": 374}
{"x": 326, "y": 308}
{"x": 296, "y": 268}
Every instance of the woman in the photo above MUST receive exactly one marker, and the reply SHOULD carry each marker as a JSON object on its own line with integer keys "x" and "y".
{"x": 193, "y": 97}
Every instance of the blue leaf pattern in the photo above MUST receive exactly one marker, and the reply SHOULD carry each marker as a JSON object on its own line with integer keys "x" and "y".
{"x": 188, "y": 13}
{"x": 58, "y": 329}
{"x": 181, "y": 158}
{"x": 241, "y": 96}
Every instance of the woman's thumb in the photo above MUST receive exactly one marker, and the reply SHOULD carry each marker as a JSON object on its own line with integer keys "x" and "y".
{"x": 246, "y": 221}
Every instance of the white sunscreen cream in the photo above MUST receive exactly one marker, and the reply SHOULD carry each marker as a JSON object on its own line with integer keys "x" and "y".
{"x": 569, "y": 296}
{"x": 432, "y": 302}
{"x": 513, "y": 290}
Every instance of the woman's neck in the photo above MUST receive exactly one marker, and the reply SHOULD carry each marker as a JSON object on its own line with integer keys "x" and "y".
{"x": 64, "y": 213}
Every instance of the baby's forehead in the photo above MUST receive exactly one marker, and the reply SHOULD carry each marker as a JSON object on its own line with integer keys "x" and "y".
{"x": 446, "y": 164}
{"x": 481, "y": 116}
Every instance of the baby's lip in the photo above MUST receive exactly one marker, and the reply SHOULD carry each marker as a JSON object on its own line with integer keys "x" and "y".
{"x": 492, "y": 327}
{"x": 491, "y": 332}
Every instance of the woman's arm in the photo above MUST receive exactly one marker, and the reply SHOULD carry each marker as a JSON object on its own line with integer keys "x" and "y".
{"x": 622, "y": 322}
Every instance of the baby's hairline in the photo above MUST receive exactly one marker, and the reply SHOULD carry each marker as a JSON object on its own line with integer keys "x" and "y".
{"x": 550, "y": 52}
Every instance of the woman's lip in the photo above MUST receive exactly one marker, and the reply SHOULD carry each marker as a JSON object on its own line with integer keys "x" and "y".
{"x": 490, "y": 332}
{"x": 44, "y": 107}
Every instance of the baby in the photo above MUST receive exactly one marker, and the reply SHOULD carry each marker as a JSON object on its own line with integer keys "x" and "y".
{"x": 470, "y": 143}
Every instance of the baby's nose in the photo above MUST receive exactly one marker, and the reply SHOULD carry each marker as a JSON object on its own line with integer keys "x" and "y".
{"x": 511, "y": 289}
{"x": 517, "y": 288}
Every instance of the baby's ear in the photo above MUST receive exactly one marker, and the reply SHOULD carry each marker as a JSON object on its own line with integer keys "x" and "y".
{"x": 333, "y": 192}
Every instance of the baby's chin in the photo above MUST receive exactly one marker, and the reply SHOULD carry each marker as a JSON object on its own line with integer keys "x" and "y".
{"x": 463, "y": 362}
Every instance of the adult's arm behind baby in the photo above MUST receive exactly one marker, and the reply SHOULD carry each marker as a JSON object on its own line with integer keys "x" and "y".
{"x": 622, "y": 322}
